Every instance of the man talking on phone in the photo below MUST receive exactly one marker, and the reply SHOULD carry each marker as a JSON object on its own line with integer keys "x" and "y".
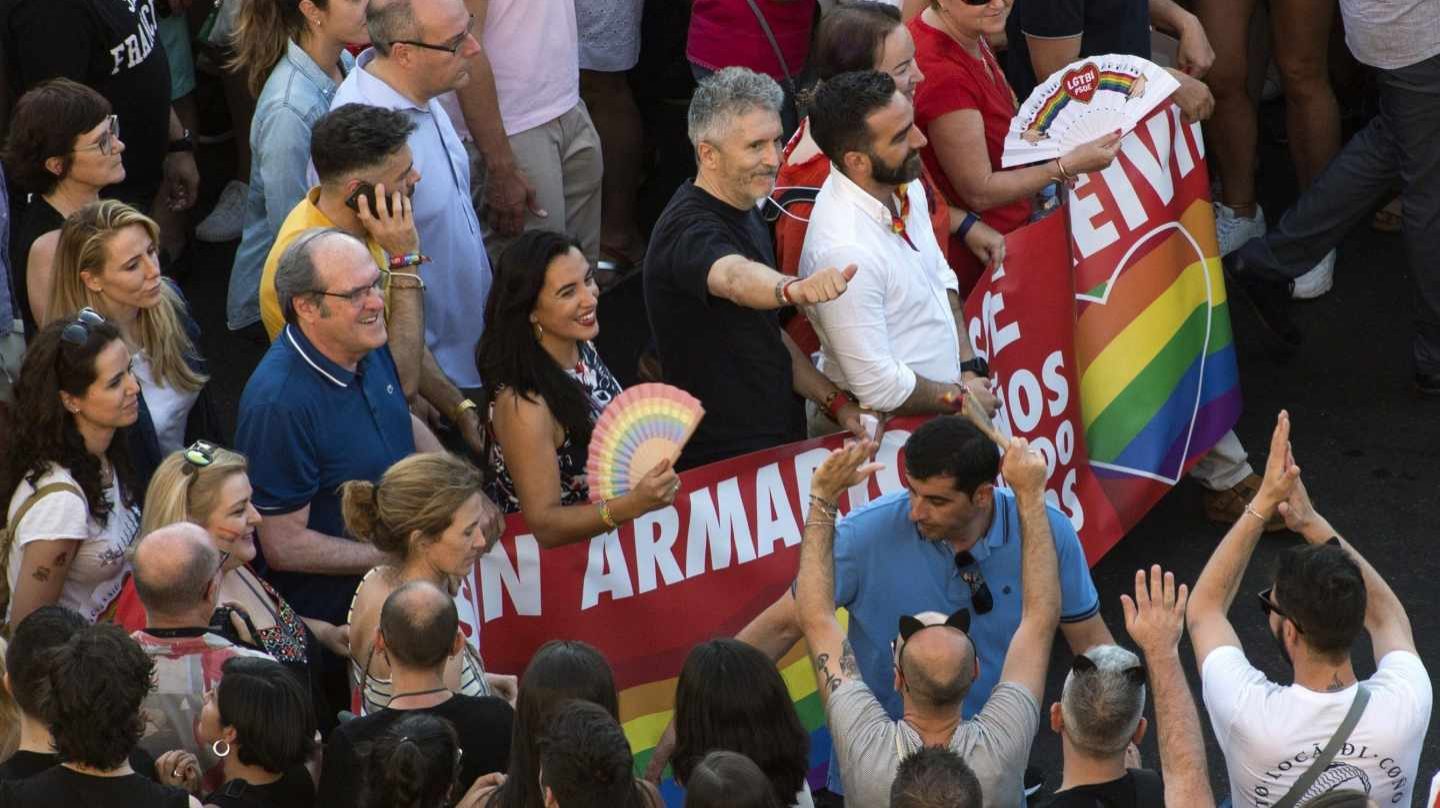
{"x": 367, "y": 177}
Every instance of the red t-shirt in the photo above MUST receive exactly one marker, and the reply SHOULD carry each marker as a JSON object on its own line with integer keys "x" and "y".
{"x": 955, "y": 80}
{"x": 791, "y": 226}
{"x": 725, "y": 33}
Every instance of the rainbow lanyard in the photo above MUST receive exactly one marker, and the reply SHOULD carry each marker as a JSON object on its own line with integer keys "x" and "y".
{"x": 897, "y": 223}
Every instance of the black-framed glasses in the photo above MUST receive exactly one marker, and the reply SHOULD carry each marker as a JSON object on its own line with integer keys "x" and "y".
{"x": 106, "y": 143}
{"x": 357, "y": 295}
{"x": 453, "y": 47}
{"x": 78, "y": 331}
{"x": 981, "y": 600}
{"x": 1269, "y": 607}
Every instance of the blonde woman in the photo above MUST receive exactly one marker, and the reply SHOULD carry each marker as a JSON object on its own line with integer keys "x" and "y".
{"x": 107, "y": 259}
{"x": 430, "y": 515}
{"x": 210, "y": 486}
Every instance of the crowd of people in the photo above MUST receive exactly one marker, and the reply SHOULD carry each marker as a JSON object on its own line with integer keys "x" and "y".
{"x": 431, "y": 200}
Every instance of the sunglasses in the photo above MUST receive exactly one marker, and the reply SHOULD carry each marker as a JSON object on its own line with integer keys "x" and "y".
{"x": 980, "y": 598}
{"x": 197, "y": 456}
{"x": 106, "y": 143}
{"x": 1269, "y": 607}
{"x": 78, "y": 331}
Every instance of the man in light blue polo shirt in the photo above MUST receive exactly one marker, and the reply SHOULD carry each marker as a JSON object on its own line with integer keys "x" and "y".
{"x": 951, "y": 542}
{"x": 421, "y": 50}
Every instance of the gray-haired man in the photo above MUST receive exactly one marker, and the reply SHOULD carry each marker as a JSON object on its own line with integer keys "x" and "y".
{"x": 1101, "y": 711}
{"x": 711, "y": 290}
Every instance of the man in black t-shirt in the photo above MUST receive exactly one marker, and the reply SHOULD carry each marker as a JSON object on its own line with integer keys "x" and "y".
{"x": 1100, "y": 713}
{"x": 111, "y": 46}
{"x": 1045, "y": 35}
{"x": 419, "y": 633}
{"x": 711, "y": 291}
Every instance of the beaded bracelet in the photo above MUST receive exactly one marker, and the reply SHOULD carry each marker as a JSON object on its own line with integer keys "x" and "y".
{"x": 606, "y": 516}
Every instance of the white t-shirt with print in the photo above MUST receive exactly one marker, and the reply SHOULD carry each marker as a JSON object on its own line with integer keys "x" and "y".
{"x": 94, "y": 575}
{"x": 1270, "y": 733}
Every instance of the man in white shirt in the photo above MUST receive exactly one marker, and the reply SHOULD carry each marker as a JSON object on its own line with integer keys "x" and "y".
{"x": 422, "y": 50}
{"x": 1323, "y": 595}
{"x": 896, "y": 340}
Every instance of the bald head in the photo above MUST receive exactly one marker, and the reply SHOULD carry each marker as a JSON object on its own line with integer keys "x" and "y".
{"x": 174, "y": 568}
{"x": 938, "y": 664}
{"x": 419, "y": 624}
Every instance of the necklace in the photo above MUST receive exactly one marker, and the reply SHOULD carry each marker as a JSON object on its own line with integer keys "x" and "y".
{"x": 398, "y": 696}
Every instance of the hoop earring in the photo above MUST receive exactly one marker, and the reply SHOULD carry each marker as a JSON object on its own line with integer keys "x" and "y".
{"x": 215, "y": 747}
{"x": 539, "y": 332}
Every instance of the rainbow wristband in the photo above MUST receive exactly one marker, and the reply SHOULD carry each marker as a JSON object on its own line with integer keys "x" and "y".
{"x": 414, "y": 259}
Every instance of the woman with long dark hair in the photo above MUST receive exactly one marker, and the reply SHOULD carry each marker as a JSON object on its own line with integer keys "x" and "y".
{"x": 65, "y": 470}
{"x": 546, "y": 385}
{"x": 730, "y": 696}
{"x": 560, "y": 671}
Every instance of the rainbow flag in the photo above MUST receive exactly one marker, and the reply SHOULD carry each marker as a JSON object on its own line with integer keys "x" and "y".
{"x": 1111, "y": 80}
{"x": 1158, "y": 379}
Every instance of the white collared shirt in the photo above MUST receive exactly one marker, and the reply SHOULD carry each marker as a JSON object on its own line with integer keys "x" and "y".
{"x": 894, "y": 321}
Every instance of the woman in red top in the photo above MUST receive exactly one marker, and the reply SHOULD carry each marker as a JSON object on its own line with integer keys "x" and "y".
{"x": 864, "y": 36}
{"x": 965, "y": 109}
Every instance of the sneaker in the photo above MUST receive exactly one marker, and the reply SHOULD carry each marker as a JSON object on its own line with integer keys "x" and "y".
{"x": 1317, "y": 281}
{"x": 1227, "y": 506}
{"x": 227, "y": 220}
{"x": 1232, "y": 231}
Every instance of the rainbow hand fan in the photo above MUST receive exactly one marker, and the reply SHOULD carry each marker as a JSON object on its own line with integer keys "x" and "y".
{"x": 642, "y": 426}
{"x": 1085, "y": 100}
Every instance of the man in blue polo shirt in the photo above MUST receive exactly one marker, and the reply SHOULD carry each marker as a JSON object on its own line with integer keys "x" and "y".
{"x": 323, "y": 407}
{"x": 951, "y": 542}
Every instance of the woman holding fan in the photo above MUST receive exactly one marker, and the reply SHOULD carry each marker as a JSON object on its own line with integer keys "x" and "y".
{"x": 545, "y": 385}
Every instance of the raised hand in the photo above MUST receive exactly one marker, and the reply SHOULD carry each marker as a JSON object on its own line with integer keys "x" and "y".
{"x": 1023, "y": 468}
{"x": 1281, "y": 473}
{"x": 1155, "y": 618}
{"x": 846, "y": 466}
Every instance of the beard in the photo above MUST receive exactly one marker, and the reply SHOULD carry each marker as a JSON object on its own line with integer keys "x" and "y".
{"x": 1280, "y": 643}
{"x": 904, "y": 171}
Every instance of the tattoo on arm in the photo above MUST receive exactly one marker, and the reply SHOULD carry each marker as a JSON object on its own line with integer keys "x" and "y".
{"x": 848, "y": 664}
{"x": 62, "y": 558}
{"x": 41, "y": 574}
{"x": 830, "y": 681}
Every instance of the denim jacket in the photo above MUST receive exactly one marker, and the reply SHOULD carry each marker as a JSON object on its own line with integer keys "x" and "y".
{"x": 295, "y": 95}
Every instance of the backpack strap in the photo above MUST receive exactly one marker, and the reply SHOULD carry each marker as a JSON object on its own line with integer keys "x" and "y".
{"x": 7, "y": 537}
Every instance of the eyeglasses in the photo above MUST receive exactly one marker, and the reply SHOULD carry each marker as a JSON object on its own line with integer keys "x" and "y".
{"x": 453, "y": 47}
{"x": 78, "y": 331}
{"x": 106, "y": 143}
{"x": 197, "y": 456}
{"x": 981, "y": 601}
{"x": 357, "y": 295}
{"x": 1268, "y": 606}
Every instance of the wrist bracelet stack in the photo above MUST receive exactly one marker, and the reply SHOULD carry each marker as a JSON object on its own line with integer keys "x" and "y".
{"x": 822, "y": 511}
{"x": 404, "y": 260}
{"x": 605, "y": 515}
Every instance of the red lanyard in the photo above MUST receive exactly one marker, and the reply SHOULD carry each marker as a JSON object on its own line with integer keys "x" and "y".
{"x": 897, "y": 223}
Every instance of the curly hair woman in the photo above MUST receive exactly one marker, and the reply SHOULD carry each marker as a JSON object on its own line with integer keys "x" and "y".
{"x": 65, "y": 470}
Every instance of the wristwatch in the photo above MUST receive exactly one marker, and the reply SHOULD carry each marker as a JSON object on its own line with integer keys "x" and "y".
{"x": 978, "y": 366}
{"x": 186, "y": 143}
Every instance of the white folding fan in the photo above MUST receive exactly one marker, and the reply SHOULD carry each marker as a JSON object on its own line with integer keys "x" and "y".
{"x": 1085, "y": 100}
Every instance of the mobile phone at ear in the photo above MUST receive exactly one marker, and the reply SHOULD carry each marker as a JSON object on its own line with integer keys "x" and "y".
{"x": 363, "y": 189}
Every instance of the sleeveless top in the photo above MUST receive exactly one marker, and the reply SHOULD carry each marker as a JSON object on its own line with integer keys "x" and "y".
{"x": 371, "y": 694}
{"x": 600, "y": 386}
